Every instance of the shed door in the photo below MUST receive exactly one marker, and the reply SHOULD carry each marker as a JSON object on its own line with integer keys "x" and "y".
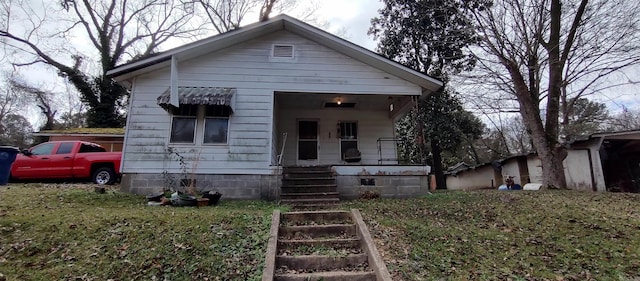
{"x": 307, "y": 142}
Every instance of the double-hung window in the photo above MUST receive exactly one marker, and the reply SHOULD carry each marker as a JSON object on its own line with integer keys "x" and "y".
{"x": 183, "y": 125}
{"x": 200, "y": 124}
{"x": 216, "y": 124}
{"x": 348, "y": 136}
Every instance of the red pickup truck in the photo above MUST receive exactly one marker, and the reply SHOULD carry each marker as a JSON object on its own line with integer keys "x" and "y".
{"x": 67, "y": 159}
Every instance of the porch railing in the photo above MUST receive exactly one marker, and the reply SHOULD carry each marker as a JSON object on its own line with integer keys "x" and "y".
{"x": 280, "y": 166}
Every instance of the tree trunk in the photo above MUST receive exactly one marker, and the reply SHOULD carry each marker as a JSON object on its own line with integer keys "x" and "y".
{"x": 544, "y": 143}
{"x": 551, "y": 159}
{"x": 441, "y": 183}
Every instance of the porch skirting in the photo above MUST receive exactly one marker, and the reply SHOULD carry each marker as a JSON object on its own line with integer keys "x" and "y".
{"x": 238, "y": 187}
{"x": 392, "y": 181}
{"x": 352, "y": 181}
{"x": 388, "y": 186}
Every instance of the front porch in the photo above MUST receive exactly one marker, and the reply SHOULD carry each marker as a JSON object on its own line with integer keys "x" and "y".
{"x": 325, "y": 129}
{"x": 336, "y": 129}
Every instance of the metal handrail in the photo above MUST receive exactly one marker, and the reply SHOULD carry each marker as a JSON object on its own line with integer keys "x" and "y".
{"x": 281, "y": 155}
{"x": 280, "y": 167}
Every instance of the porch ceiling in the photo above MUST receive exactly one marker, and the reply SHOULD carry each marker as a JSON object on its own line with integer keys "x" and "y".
{"x": 318, "y": 100}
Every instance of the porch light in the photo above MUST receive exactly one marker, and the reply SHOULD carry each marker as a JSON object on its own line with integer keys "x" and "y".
{"x": 339, "y": 101}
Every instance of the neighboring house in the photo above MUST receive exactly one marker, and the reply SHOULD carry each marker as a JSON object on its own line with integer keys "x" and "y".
{"x": 241, "y": 104}
{"x": 110, "y": 138}
{"x": 600, "y": 162}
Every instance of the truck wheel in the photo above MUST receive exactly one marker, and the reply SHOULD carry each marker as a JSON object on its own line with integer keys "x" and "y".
{"x": 104, "y": 175}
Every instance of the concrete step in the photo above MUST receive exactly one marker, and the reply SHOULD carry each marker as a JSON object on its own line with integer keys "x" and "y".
{"x": 328, "y": 276}
{"x": 316, "y": 217}
{"x": 321, "y": 262}
{"x": 334, "y": 231}
{"x": 348, "y": 243}
{"x": 298, "y": 202}
{"x": 316, "y": 207}
{"x": 309, "y": 195}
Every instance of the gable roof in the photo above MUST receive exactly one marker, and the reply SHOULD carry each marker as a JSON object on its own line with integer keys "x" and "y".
{"x": 282, "y": 22}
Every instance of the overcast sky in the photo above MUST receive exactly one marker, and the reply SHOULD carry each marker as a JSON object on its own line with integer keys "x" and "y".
{"x": 351, "y": 20}
{"x": 352, "y": 15}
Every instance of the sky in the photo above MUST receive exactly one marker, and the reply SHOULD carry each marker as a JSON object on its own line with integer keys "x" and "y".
{"x": 352, "y": 15}
{"x": 351, "y": 20}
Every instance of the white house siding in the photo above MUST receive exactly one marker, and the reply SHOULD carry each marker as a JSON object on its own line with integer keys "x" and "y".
{"x": 249, "y": 68}
{"x": 371, "y": 126}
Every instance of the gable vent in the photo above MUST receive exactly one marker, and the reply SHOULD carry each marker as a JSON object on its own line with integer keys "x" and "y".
{"x": 282, "y": 51}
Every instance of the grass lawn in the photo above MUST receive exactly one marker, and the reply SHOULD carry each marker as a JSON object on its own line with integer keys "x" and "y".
{"x": 69, "y": 232}
{"x": 494, "y": 235}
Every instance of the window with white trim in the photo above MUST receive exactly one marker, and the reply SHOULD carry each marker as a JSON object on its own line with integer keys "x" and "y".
{"x": 200, "y": 124}
{"x": 183, "y": 124}
{"x": 216, "y": 124}
{"x": 348, "y": 133}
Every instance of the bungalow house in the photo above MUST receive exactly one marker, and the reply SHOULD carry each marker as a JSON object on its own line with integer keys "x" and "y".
{"x": 241, "y": 105}
{"x": 599, "y": 162}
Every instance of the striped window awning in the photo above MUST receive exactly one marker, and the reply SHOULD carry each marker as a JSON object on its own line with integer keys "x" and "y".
{"x": 200, "y": 95}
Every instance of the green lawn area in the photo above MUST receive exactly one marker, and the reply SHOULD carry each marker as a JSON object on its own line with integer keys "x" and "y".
{"x": 496, "y": 235}
{"x": 69, "y": 232}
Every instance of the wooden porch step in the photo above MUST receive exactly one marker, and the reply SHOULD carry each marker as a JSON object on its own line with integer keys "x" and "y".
{"x": 305, "y": 181}
{"x": 328, "y": 276}
{"x": 309, "y": 185}
{"x": 303, "y": 189}
{"x": 305, "y": 169}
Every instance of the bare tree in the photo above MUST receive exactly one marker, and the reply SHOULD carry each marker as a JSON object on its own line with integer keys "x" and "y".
{"x": 626, "y": 120}
{"x": 44, "y": 100}
{"x": 548, "y": 53}
{"x": 226, "y": 15}
{"x": 116, "y": 30}
{"x": 10, "y": 103}
{"x": 16, "y": 131}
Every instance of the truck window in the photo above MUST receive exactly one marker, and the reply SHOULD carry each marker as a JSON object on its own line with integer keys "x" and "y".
{"x": 65, "y": 148}
{"x": 84, "y": 148}
{"x": 43, "y": 149}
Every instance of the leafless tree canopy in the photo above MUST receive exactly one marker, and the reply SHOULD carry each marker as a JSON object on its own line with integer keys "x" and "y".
{"x": 539, "y": 57}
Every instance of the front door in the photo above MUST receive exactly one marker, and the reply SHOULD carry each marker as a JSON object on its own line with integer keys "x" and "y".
{"x": 307, "y": 142}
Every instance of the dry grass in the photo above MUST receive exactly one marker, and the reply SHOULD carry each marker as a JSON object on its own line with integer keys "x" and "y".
{"x": 69, "y": 232}
{"x": 491, "y": 235}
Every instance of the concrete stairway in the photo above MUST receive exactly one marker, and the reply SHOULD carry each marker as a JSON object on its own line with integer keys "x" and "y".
{"x": 309, "y": 188}
{"x": 325, "y": 245}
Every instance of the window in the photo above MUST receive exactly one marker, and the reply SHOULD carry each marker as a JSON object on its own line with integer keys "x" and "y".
{"x": 183, "y": 125}
{"x": 43, "y": 149}
{"x": 348, "y": 137}
{"x": 85, "y": 148}
{"x": 216, "y": 124}
{"x": 65, "y": 148}
{"x": 200, "y": 124}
